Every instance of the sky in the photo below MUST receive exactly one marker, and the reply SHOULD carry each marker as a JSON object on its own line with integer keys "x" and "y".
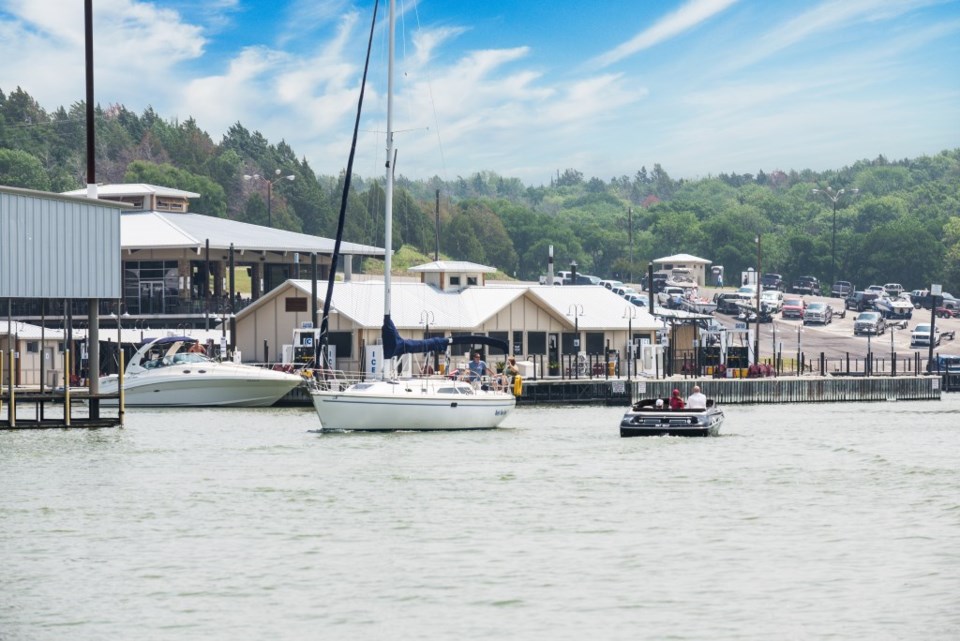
{"x": 521, "y": 88}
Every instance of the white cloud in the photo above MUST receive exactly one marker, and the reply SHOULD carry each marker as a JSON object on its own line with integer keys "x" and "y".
{"x": 683, "y": 19}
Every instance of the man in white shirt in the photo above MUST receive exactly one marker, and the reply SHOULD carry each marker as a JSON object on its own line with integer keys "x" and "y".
{"x": 697, "y": 400}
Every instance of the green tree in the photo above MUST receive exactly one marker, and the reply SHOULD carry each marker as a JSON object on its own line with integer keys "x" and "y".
{"x": 20, "y": 169}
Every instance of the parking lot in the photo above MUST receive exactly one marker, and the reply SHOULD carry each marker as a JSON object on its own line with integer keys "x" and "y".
{"x": 836, "y": 340}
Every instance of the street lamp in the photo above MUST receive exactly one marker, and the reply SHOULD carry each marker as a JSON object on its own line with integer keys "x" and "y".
{"x": 756, "y": 342}
{"x": 576, "y": 310}
{"x": 629, "y": 312}
{"x": 270, "y": 184}
{"x": 834, "y": 197}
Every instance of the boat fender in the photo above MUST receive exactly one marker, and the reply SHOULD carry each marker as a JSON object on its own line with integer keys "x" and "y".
{"x": 517, "y": 385}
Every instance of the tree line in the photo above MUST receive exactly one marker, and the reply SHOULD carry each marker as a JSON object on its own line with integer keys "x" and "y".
{"x": 897, "y": 220}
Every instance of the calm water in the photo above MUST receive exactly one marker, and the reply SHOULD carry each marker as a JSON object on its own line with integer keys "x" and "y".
{"x": 801, "y": 522}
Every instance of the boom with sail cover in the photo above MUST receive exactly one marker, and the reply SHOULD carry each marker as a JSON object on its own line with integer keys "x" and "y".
{"x": 394, "y": 345}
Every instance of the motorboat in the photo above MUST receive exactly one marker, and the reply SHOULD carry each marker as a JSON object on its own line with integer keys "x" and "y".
{"x": 383, "y": 401}
{"x": 644, "y": 418}
{"x": 173, "y": 371}
{"x": 698, "y": 305}
{"x": 891, "y": 307}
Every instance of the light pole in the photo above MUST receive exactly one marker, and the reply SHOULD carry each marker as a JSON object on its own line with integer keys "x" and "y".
{"x": 426, "y": 317}
{"x": 834, "y": 197}
{"x": 935, "y": 291}
{"x": 270, "y": 184}
{"x": 756, "y": 342}
{"x": 576, "y": 310}
{"x": 629, "y": 312}
{"x": 799, "y": 353}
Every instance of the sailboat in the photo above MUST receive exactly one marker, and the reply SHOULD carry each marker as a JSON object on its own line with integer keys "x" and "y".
{"x": 387, "y": 402}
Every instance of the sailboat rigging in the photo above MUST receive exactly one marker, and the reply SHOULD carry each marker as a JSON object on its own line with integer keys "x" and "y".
{"x": 382, "y": 403}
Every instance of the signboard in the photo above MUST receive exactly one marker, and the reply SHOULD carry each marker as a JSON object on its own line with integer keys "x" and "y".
{"x": 374, "y": 358}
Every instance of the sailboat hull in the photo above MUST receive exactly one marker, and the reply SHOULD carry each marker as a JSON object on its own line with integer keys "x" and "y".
{"x": 414, "y": 404}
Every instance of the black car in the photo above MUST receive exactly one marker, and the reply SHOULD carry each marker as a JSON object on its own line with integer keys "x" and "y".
{"x": 772, "y": 281}
{"x": 806, "y": 285}
{"x": 860, "y": 301}
{"x": 943, "y": 300}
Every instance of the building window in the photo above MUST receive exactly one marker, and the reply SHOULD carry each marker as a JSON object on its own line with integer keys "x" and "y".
{"x": 537, "y": 342}
{"x": 570, "y": 342}
{"x": 595, "y": 343}
{"x": 455, "y": 280}
{"x": 33, "y": 347}
{"x": 471, "y": 280}
{"x": 297, "y": 305}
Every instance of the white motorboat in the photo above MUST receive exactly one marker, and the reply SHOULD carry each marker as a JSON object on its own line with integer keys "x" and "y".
{"x": 646, "y": 419}
{"x": 396, "y": 404}
{"x": 166, "y": 373}
{"x": 890, "y": 307}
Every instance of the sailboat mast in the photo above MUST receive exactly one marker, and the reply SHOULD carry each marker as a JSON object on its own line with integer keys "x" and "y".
{"x": 388, "y": 192}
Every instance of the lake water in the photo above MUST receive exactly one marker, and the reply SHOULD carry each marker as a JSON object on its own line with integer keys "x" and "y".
{"x": 833, "y": 521}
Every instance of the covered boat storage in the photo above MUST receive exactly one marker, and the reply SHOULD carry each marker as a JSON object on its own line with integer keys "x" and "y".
{"x": 53, "y": 248}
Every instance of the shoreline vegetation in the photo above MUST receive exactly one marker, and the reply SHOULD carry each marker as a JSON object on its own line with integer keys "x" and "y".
{"x": 895, "y": 221}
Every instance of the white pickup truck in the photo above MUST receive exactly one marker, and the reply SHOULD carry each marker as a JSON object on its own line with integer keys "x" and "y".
{"x": 557, "y": 278}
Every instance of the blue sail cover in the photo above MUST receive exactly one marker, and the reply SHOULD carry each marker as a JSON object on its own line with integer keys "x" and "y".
{"x": 393, "y": 345}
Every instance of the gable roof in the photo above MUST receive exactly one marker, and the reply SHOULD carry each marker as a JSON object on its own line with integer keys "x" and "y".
{"x": 682, "y": 258}
{"x": 457, "y": 266}
{"x": 464, "y": 310}
{"x": 160, "y": 230}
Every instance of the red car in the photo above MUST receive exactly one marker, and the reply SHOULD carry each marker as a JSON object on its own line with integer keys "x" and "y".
{"x": 947, "y": 312}
{"x": 793, "y": 307}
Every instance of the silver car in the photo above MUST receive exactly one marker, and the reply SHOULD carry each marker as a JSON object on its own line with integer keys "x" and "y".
{"x": 818, "y": 313}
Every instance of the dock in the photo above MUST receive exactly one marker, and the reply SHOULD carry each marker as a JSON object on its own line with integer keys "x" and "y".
{"x": 33, "y": 408}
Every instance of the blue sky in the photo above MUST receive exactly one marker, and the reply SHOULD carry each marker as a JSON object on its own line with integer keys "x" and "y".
{"x": 523, "y": 88}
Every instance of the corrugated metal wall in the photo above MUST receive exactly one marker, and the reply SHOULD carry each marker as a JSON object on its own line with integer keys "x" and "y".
{"x": 53, "y": 246}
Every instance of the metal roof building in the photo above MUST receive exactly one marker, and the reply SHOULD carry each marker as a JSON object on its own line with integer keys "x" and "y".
{"x": 55, "y": 247}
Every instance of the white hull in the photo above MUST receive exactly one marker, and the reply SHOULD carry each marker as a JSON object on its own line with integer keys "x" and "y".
{"x": 414, "y": 404}
{"x": 202, "y": 385}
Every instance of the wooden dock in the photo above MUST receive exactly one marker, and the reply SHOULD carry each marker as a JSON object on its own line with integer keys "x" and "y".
{"x": 31, "y": 408}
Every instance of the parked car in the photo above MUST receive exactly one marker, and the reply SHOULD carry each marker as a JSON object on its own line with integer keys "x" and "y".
{"x": 659, "y": 281}
{"x": 806, "y": 285}
{"x": 582, "y": 279}
{"x": 626, "y": 290}
{"x": 949, "y": 363}
{"x": 669, "y": 296}
{"x": 860, "y": 301}
{"x": 772, "y": 299}
{"x": 925, "y": 300}
{"x": 920, "y": 336}
{"x": 841, "y": 289}
{"x": 610, "y": 284}
{"x": 947, "y": 312}
{"x": 772, "y": 281}
{"x": 729, "y": 302}
{"x": 893, "y": 289}
{"x": 869, "y": 323}
{"x": 638, "y": 300}
{"x": 793, "y": 307}
{"x": 818, "y": 313}
{"x": 875, "y": 289}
